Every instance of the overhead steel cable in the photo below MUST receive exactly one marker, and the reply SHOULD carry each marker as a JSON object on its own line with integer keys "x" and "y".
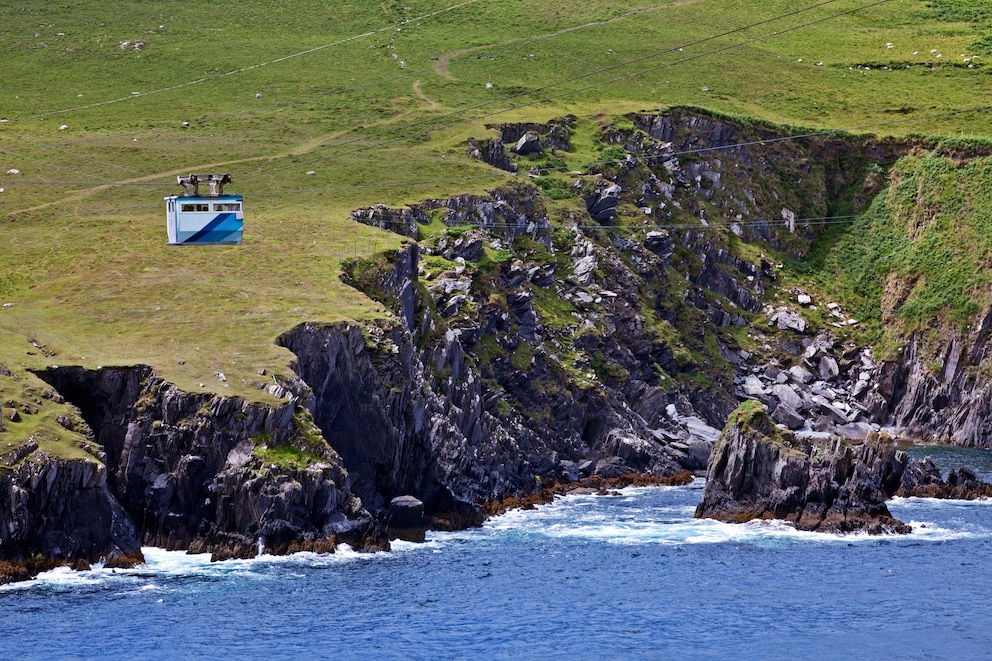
{"x": 699, "y": 150}
{"x": 565, "y": 81}
{"x": 253, "y": 66}
{"x": 240, "y": 70}
{"x": 586, "y": 88}
{"x": 674, "y": 49}
{"x": 540, "y": 171}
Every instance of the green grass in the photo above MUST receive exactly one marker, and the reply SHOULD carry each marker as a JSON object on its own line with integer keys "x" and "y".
{"x": 921, "y": 256}
{"x": 86, "y": 269}
{"x": 38, "y": 420}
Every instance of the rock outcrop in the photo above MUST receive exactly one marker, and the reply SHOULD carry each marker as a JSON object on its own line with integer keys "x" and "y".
{"x": 61, "y": 511}
{"x": 923, "y": 480}
{"x": 760, "y": 471}
{"x": 213, "y": 474}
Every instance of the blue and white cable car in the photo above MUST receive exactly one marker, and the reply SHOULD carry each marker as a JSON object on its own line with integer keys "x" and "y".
{"x": 214, "y": 219}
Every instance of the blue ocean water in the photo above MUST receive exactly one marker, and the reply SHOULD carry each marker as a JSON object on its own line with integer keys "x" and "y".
{"x": 629, "y": 576}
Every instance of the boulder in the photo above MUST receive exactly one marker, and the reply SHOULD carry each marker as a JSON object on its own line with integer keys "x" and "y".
{"x": 602, "y": 205}
{"x": 788, "y": 416}
{"x": 405, "y": 519}
{"x": 752, "y": 386}
{"x": 529, "y": 143}
{"x": 828, "y": 368}
{"x": 787, "y": 395}
{"x": 786, "y": 319}
{"x": 801, "y": 375}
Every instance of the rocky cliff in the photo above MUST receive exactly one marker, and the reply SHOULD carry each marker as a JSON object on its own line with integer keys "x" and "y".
{"x": 201, "y": 472}
{"x": 937, "y": 388}
{"x": 560, "y": 327}
{"x": 58, "y": 511}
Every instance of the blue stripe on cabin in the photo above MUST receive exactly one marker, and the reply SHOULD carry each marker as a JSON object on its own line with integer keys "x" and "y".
{"x": 222, "y": 225}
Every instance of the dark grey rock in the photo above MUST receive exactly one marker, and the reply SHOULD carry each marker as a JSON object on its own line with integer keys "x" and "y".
{"x": 788, "y": 416}
{"x": 787, "y": 395}
{"x": 757, "y": 470}
{"x": 529, "y": 143}
{"x": 405, "y": 519}
{"x": 828, "y": 368}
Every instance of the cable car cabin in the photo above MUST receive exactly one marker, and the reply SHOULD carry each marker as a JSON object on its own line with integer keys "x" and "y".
{"x": 214, "y": 219}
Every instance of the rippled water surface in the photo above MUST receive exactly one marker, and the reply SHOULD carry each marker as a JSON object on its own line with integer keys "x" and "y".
{"x": 627, "y": 576}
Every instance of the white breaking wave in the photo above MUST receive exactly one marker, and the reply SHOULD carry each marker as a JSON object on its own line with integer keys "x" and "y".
{"x": 939, "y": 502}
{"x": 638, "y": 516}
{"x": 635, "y": 516}
{"x": 163, "y": 566}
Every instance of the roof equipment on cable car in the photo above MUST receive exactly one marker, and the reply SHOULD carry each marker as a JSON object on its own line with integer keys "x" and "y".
{"x": 211, "y": 219}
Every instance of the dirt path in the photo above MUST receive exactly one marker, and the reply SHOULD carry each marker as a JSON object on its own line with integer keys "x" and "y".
{"x": 431, "y": 103}
{"x": 441, "y": 66}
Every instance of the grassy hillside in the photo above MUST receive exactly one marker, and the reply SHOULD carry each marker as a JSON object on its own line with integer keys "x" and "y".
{"x": 921, "y": 258}
{"x": 376, "y": 100}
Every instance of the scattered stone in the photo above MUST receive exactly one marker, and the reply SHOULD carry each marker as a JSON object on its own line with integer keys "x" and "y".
{"x": 786, "y": 319}
{"x": 787, "y": 395}
{"x": 801, "y": 375}
{"x": 753, "y": 386}
{"x": 828, "y": 368}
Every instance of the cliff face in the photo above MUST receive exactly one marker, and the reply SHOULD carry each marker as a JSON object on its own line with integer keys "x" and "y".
{"x": 410, "y": 422}
{"x": 59, "y": 511}
{"x": 936, "y": 389}
{"x": 210, "y": 473}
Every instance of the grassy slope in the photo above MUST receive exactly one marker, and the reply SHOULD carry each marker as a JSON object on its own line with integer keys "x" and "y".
{"x": 86, "y": 268}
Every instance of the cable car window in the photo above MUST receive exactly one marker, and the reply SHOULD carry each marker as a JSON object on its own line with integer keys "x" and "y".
{"x": 227, "y": 206}
{"x": 195, "y": 207}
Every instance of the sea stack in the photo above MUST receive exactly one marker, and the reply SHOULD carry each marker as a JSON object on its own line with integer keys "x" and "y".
{"x": 760, "y": 471}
